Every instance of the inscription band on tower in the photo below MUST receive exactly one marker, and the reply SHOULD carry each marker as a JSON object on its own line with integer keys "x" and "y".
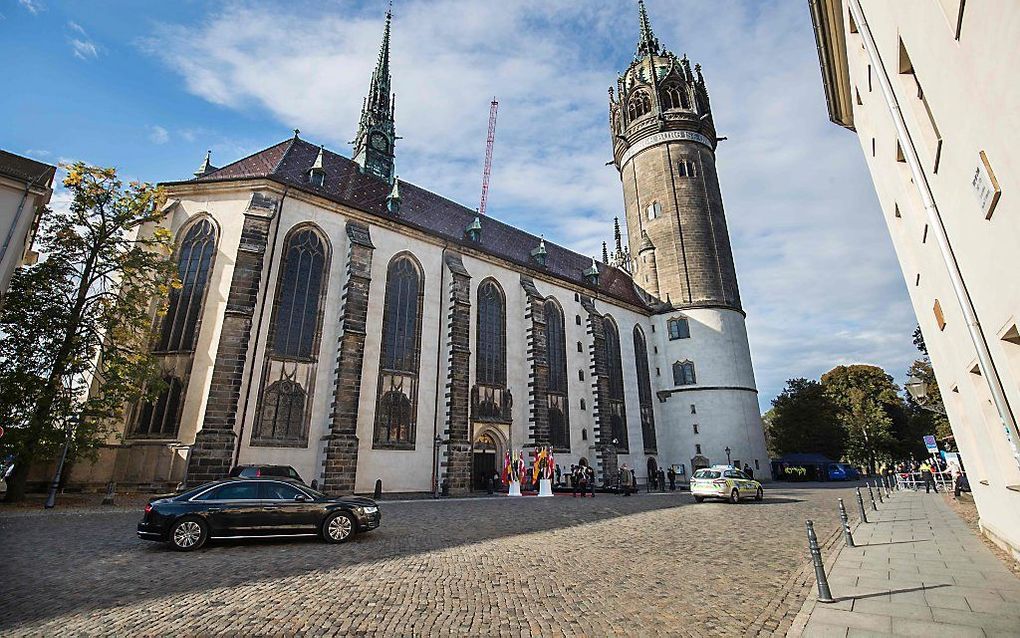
{"x": 659, "y": 138}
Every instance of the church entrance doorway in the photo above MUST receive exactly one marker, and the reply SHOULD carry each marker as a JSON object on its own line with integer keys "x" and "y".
{"x": 483, "y": 464}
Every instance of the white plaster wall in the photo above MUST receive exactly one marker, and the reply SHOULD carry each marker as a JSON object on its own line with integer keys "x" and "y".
{"x": 10, "y": 198}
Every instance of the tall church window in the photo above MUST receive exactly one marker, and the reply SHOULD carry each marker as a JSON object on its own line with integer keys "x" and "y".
{"x": 654, "y": 210}
{"x": 178, "y": 334}
{"x": 194, "y": 261}
{"x": 161, "y": 418}
{"x": 397, "y": 402}
{"x": 679, "y": 328}
{"x": 292, "y": 350}
{"x": 683, "y": 373}
{"x": 556, "y": 346}
{"x": 615, "y": 403}
{"x": 491, "y": 359}
{"x": 674, "y": 96}
{"x": 686, "y": 167}
{"x": 644, "y": 392}
{"x": 638, "y": 105}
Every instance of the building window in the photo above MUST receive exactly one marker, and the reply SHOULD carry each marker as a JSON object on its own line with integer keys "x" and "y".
{"x": 674, "y": 96}
{"x": 917, "y": 280}
{"x": 653, "y": 210}
{"x": 638, "y": 105}
{"x": 695, "y": 428}
{"x": 580, "y": 347}
{"x": 658, "y": 372}
{"x": 291, "y": 354}
{"x": 490, "y": 361}
{"x": 678, "y": 328}
{"x": 683, "y": 373}
{"x": 397, "y": 407}
{"x": 584, "y": 434}
{"x": 194, "y": 262}
{"x": 929, "y": 130}
{"x": 924, "y": 236}
{"x": 161, "y": 418}
{"x": 580, "y": 375}
{"x": 687, "y": 168}
{"x": 756, "y": 464}
{"x": 584, "y": 406}
{"x": 615, "y": 403}
{"x": 577, "y": 319}
{"x": 940, "y": 318}
{"x": 556, "y": 346}
{"x": 644, "y": 392}
{"x": 694, "y": 409}
{"x": 697, "y": 448}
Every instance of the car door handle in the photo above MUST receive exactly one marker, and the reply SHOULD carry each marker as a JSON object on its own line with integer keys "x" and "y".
{"x": 214, "y": 509}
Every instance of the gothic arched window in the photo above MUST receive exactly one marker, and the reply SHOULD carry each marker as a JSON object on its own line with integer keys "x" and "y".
{"x": 638, "y": 105}
{"x": 397, "y": 402}
{"x": 162, "y": 417}
{"x": 615, "y": 400}
{"x": 644, "y": 392}
{"x": 556, "y": 347}
{"x": 194, "y": 262}
{"x": 678, "y": 328}
{"x": 288, "y": 376}
{"x": 674, "y": 96}
{"x": 683, "y": 373}
{"x": 490, "y": 364}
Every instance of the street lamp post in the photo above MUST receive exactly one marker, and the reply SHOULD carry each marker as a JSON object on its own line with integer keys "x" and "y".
{"x": 728, "y": 450}
{"x": 917, "y": 388}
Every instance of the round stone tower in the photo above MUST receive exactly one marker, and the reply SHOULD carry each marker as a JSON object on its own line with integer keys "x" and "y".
{"x": 664, "y": 143}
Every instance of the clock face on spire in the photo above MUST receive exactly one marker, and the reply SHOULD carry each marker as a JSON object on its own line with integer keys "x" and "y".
{"x": 379, "y": 142}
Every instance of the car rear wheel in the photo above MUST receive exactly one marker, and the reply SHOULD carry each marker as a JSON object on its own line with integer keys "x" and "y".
{"x": 734, "y": 496}
{"x": 189, "y": 534}
{"x": 699, "y": 499}
{"x": 759, "y": 495}
{"x": 338, "y": 528}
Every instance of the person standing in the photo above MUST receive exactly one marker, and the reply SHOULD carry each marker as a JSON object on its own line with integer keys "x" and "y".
{"x": 671, "y": 474}
{"x": 626, "y": 480}
{"x": 577, "y": 479}
{"x": 559, "y": 473}
{"x": 747, "y": 470}
{"x": 589, "y": 476}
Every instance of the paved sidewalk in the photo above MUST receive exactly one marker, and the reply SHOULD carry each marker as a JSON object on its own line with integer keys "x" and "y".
{"x": 917, "y": 570}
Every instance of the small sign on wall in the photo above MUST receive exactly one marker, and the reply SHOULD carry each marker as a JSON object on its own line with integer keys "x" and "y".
{"x": 986, "y": 187}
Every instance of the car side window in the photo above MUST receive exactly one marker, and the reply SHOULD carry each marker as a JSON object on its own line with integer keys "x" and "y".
{"x": 740, "y": 475}
{"x": 274, "y": 491}
{"x": 730, "y": 474}
{"x": 246, "y": 491}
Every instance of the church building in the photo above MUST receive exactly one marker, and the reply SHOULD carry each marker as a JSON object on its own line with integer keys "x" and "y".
{"x": 360, "y": 327}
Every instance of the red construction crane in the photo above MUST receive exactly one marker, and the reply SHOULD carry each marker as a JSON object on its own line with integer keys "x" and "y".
{"x": 493, "y": 106}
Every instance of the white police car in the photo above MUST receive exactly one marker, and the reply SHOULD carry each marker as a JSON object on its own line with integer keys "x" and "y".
{"x": 726, "y": 482}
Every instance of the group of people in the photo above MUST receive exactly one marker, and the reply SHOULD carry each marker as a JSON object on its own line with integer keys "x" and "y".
{"x": 582, "y": 479}
{"x": 929, "y": 470}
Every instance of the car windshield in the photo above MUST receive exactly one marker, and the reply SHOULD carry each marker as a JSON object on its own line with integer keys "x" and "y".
{"x": 707, "y": 474}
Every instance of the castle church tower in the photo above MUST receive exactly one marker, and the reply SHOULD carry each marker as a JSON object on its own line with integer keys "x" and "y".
{"x": 376, "y": 137}
{"x": 664, "y": 143}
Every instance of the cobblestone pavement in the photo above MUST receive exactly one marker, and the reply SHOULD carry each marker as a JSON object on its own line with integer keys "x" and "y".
{"x": 644, "y": 565}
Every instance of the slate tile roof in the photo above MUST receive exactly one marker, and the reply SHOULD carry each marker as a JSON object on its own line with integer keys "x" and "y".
{"x": 289, "y": 161}
{"x": 24, "y": 169}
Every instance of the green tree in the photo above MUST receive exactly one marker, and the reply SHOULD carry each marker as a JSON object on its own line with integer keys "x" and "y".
{"x": 75, "y": 328}
{"x": 867, "y": 403}
{"x": 803, "y": 419}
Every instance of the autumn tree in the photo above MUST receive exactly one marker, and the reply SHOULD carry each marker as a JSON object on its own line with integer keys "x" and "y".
{"x": 75, "y": 328}
{"x": 803, "y": 419}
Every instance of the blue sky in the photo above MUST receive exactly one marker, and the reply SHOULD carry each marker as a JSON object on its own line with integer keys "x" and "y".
{"x": 148, "y": 87}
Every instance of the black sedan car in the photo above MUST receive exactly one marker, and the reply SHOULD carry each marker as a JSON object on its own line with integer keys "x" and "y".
{"x": 254, "y": 508}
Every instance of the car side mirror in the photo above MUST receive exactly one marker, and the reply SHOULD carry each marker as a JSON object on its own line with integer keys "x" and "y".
{"x": 301, "y": 498}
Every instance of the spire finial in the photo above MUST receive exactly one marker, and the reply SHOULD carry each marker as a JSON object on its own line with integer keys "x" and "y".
{"x": 297, "y": 132}
{"x": 648, "y": 44}
{"x": 374, "y": 142}
{"x": 206, "y": 166}
{"x": 605, "y": 255}
{"x": 616, "y": 235}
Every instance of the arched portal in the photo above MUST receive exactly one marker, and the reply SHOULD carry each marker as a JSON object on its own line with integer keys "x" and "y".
{"x": 653, "y": 468}
{"x": 487, "y": 453}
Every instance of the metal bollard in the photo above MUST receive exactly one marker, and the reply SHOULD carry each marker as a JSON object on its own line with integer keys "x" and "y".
{"x": 878, "y": 488}
{"x": 110, "y": 488}
{"x": 377, "y": 494}
{"x": 860, "y": 504}
{"x": 824, "y": 595}
{"x": 871, "y": 495}
{"x": 847, "y": 535}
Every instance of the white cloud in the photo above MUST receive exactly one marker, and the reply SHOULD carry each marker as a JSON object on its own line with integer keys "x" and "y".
{"x": 158, "y": 135}
{"x": 32, "y": 6}
{"x": 84, "y": 49}
{"x": 818, "y": 276}
{"x": 74, "y": 26}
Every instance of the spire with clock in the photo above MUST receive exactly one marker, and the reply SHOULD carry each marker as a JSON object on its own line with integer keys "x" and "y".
{"x": 373, "y": 145}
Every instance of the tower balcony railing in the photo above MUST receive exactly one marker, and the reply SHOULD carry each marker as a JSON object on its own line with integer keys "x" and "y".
{"x": 491, "y": 403}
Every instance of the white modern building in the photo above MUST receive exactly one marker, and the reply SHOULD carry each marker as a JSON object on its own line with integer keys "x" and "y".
{"x": 929, "y": 87}
{"x": 359, "y": 327}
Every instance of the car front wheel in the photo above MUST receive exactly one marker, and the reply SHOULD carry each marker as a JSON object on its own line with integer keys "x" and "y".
{"x": 759, "y": 495}
{"x": 338, "y": 528}
{"x": 189, "y": 534}
{"x": 734, "y": 496}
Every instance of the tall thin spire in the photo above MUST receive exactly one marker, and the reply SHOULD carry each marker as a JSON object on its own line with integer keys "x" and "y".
{"x": 374, "y": 142}
{"x": 648, "y": 44}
